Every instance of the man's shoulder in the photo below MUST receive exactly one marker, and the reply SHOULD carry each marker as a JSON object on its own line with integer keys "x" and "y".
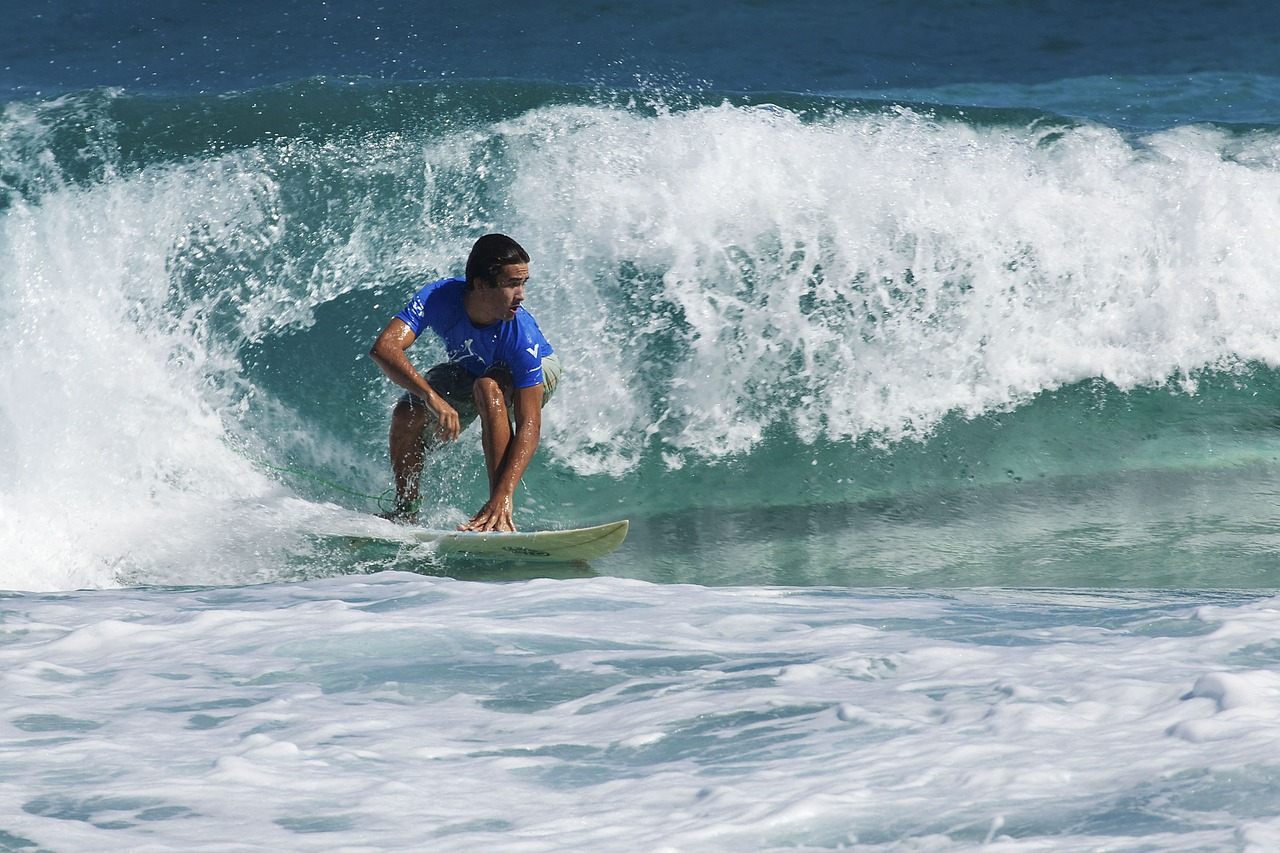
{"x": 444, "y": 287}
{"x": 440, "y": 297}
{"x": 432, "y": 303}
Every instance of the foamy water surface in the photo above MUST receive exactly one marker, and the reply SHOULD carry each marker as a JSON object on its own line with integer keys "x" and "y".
{"x": 397, "y": 712}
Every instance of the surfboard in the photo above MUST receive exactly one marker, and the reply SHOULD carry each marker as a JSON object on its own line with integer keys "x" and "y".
{"x": 575, "y": 546}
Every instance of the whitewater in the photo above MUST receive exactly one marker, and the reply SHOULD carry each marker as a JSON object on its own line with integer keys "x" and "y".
{"x": 936, "y": 374}
{"x": 398, "y": 712}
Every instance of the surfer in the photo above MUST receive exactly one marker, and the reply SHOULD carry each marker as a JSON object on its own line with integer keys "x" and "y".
{"x": 500, "y": 368}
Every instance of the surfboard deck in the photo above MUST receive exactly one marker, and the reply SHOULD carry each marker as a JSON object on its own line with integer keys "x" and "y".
{"x": 579, "y": 545}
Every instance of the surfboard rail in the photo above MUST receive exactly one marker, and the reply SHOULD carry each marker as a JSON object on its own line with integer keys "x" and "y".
{"x": 576, "y": 545}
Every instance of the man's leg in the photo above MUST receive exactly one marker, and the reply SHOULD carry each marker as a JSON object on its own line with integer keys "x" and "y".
{"x": 413, "y": 433}
{"x": 409, "y": 422}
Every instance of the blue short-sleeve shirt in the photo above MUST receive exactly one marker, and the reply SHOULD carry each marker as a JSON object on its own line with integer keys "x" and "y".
{"x": 517, "y": 345}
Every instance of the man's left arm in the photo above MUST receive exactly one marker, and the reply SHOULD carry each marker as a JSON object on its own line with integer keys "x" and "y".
{"x": 496, "y": 513}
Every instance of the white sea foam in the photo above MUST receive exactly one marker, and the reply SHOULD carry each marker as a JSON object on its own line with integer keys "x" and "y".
{"x": 126, "y": 305}
{"x": 397, "y": 712}
{"x": 870, "y": 273}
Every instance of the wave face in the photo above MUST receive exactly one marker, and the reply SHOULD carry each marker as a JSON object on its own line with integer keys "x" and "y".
{"x": 822, "y": 311}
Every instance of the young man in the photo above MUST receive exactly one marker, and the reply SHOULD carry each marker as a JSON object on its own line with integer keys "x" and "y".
{"x": 500, "y": 369}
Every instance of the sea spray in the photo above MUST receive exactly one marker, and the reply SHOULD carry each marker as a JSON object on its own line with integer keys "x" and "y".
{"x": 813, "y": 304}
{"x": 871, "y": 273}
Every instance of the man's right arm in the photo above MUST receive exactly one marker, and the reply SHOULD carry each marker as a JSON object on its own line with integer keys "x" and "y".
{"x": 389, "y": 353}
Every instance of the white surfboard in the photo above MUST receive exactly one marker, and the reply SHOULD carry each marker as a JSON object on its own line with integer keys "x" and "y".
{"x": 580, "y": 545}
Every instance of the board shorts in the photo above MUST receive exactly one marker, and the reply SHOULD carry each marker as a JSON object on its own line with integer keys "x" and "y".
{"x": 453, "y": 382}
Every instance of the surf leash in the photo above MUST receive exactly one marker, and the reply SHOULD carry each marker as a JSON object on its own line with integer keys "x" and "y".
{"x": 381, "y": 500}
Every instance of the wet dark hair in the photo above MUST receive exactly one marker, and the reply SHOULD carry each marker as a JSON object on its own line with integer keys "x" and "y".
{"x": 490, "y": 254}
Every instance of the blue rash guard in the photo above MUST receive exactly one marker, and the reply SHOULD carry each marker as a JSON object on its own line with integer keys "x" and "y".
{"x": 515, "y": 345}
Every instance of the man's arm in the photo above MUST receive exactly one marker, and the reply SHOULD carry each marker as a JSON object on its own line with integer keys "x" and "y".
{"x": 389, "y": 353}
{"x": 496, "y": 513}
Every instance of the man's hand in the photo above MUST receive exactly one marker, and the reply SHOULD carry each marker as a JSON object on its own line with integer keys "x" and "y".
{"x": 448, "y": 425}
{"x": 493, "y": 517}
{"x": 389, "y": 353}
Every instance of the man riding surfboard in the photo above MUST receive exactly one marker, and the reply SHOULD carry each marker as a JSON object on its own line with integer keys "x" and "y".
{"x": 500, "y": 368}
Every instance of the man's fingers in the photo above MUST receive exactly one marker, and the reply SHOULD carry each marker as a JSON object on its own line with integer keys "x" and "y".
{"x": 449, "y": 426}
{"x": 489, "y": 520}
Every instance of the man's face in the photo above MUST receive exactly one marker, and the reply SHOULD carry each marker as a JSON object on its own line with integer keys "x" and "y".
{"x": 499, "y": 299}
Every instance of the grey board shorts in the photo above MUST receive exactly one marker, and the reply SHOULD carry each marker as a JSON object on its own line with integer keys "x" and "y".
{"x": 452, "y": 381}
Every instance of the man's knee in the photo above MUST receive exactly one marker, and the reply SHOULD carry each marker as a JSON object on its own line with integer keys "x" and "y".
{"x": 410, "y": 418}
{"x": 490, "y": 396}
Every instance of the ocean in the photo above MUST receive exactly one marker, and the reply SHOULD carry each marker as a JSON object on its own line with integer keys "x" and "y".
{"x": 932, "y": 350}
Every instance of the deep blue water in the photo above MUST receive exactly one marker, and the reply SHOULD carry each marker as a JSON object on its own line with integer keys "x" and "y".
{"x": 808, "y": 46}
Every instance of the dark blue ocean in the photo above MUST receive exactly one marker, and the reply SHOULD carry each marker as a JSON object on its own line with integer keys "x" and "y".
{"x": 931, "y": 349}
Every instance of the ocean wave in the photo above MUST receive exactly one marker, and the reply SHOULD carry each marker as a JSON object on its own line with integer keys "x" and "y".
{"x": 741, "y": 291}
